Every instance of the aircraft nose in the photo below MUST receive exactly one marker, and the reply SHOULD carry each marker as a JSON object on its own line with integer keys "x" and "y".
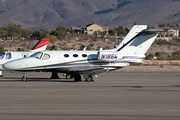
{"x": 10, "y": 65}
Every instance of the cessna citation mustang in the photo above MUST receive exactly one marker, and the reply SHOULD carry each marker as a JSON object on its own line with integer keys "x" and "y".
{"x": 89, "y": 63}
{"x": 7, "y": 56}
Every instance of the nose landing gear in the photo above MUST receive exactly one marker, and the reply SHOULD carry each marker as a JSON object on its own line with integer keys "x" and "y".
{"x": 24, "y": 78}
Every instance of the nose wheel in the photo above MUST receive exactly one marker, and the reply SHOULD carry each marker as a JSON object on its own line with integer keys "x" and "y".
{"x": 24, "y": 78}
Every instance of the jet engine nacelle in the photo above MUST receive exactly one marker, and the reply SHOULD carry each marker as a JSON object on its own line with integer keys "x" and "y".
{"x": 109, "y": 56}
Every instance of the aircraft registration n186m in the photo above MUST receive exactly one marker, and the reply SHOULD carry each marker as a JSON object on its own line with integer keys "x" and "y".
{"x": 89, "y": 63}
{"x": 7, "y": 56}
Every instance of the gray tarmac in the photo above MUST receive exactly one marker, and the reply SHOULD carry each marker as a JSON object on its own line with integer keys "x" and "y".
{"x": 113, "y": 96}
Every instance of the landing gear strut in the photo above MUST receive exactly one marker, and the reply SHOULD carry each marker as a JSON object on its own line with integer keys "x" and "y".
{"x": 1, "y": 74}
{"x": 24, "y": 78}
{"x": 54, "y": 76}
{"x": 89, "y": 79}
{"x": 77, "y": 77}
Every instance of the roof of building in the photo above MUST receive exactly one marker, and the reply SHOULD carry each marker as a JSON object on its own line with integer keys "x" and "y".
{"x": 96, "y": 24}
{"x": 76, "y": 28}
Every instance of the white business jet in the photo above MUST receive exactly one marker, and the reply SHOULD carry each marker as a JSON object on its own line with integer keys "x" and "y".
{"x": 89, "y": 63}
{"x": 7, "y": 56}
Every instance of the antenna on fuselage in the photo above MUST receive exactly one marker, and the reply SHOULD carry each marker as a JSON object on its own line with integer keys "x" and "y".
{"x": 100, "y": 49}
{"x": 85, "y": 48}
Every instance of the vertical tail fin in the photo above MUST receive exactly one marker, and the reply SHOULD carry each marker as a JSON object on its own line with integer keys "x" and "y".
{"x": 140, "y": 43}
{"x": 41, "y": 45}
{"x": 132, "y": 33}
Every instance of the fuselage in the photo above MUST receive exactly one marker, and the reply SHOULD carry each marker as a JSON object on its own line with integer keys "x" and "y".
{"x": 67, "y": 61}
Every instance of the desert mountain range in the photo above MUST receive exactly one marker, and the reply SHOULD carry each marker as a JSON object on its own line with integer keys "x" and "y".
{"x": 48, "y": 14}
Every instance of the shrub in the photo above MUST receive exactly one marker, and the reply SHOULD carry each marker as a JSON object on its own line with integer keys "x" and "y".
{"x": 2, "y": 49}
{"x": 20, "y": 49}
{"x": 54, "y": 47}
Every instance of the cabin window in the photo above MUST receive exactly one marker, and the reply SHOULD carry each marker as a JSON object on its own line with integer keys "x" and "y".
{"x": 46, "y": 56}
{"x": 2, "y": 55}
{"x": 8, "y": 56}
{"x": 37, "y": 55}
{"x": 84, "y": 55}
{"x": 66, "y": 55}
{"x": 75, "y": 55}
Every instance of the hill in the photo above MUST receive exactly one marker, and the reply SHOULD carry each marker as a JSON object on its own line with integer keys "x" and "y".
{"x": 49, "y": 14}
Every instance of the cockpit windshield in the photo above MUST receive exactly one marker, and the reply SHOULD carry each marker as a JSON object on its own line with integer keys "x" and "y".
{"x": 2, "y": 54}
{"x": 37, "y": 55}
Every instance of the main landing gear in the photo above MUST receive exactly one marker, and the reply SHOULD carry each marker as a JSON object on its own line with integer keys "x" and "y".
{"x": 77, "y": 77}
{"x": 54, "y": 76}
{"x": 89, "y": 79}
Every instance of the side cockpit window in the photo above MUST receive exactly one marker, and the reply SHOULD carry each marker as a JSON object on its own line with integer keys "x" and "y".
{"x": 37, "y": 55}
{"x": 46, "y": 56}
{"x": 8, "y": 56}
{"x": 2, "y": 55}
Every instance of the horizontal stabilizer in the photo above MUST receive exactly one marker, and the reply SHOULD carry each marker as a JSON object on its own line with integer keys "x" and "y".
{"x": 153, "y": 31}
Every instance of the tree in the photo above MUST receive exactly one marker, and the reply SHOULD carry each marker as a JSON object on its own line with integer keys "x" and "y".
{"x": 53, "y": 39}
{"x": 2, "y": 49}
{"x": 177, "y": 25}
{"x": 61, "y": 28}
{"x": 163, "y": 25}
{"x": 160, "y": 25}
{"x": 38, "y": 35}
{"x": 82, "y": 47}
{"x": 18, "y": 26}
{"x": 54, "y": 47}
{"x": 20, "y": 49}
{"x": 120, "y": 30}
{"x": 158, "y": 54}
{"x": 3, "y": 33}
{"x": 15, "y": 34}
{"x": 60, "y": 32}
{"x": 168, "y": 24}
{"x": 150, "y": 56}
{"x": 25, "y": 32}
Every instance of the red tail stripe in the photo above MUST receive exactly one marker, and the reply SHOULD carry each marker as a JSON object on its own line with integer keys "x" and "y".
{"x": 43, "y": 42}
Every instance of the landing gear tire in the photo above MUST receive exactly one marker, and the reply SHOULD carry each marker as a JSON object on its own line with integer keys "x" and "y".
{"x": 24, "y": 79}
{"x": 89, "y": 79}
{"x": 77, "y": 77}
{"x": 54, "y": 76}
{"x": 68, "y": 76}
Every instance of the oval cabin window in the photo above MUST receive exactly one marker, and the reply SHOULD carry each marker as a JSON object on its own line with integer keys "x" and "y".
{"x": 84, "y": 55}
{"x": 66, "y": 55}
{"x": 75, "y": 55}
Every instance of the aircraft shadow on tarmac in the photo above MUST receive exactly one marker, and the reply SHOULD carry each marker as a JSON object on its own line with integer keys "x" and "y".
{"x": 13, "y": 79}
{"x": 138, "y": 87}
{"x": 148, "y": 86}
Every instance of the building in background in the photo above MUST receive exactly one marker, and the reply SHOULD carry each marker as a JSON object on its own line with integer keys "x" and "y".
{"x": 173, "y": 31}
{"x": 91, "y": 29}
